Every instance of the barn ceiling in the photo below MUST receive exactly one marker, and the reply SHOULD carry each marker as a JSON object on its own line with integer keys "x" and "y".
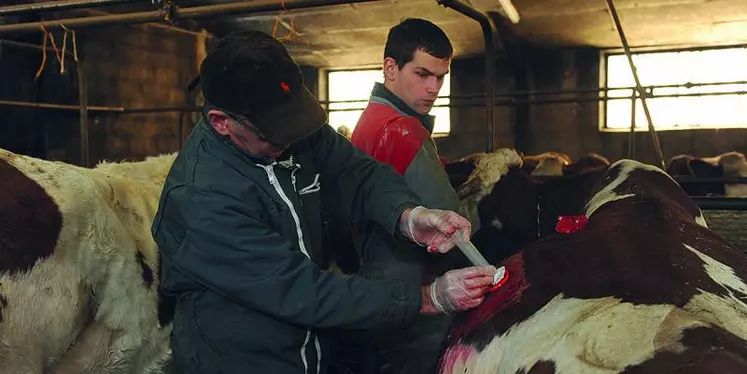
{"x": 351, "y": 35}
{"x": 354, "y": 34}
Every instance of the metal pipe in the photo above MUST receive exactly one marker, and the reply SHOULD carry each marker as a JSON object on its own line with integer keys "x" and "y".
{"x": 720, "y": 203}
{"x": 510, "y": 102}
{"x": 452, "y": 105}
{"x": 58, "y": 5}
{"x": 639, "y": 88}
{"x": 13, "y": 43}
{"x": 246, "y": 6}
{"x": 631, "y": 134}
{"x": 488, "y": 33}
{"x": 83, "y": 114}
{"x": 692, "y": 180}
{"x": 576, "y": 92}
{"x": 59, "y": 106}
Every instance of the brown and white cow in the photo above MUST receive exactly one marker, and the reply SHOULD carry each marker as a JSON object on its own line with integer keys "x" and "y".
{"x": 644, "y": 287}
{"x": 726, "y": 165}
{"x": 78, "y": 272}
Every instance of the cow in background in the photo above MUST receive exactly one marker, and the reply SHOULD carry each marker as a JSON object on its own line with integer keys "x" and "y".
{"x": 590, "y": 161}
{"x": 726, "y": 165}
{"x": 644, "y": 287}
{"x": 78, "y": 267}
{"x": 546, "y": 164}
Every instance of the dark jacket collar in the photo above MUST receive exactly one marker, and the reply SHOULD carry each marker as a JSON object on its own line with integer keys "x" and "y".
{"x": 227, "y": 145}
{"x": 381, "y": 94}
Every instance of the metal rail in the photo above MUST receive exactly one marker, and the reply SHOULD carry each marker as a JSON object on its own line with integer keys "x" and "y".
{"x": 58, "y": 5}
{"x": 639, "y": 88}
{"x": 720, "y": 203}
{"x": 488, "y": 32}
{"x": 177, "y": 13}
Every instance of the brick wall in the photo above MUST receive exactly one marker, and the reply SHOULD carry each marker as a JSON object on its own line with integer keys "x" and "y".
{"x": 136, "y": 66}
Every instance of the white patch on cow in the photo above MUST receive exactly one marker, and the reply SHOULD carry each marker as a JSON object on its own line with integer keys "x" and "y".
{"x": 488, "y": 171}
{"x": 721, "y": 273}
{"x": 607, "y": 194}
{"x": 729, "y": 313}
{"x": 549, "y": 166}
{"x": 491, "y": 167}
{"x": 700, "y": 220}
{"x": 595, "y": 336}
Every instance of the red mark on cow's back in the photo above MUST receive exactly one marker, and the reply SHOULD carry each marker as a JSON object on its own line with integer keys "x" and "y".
{"x": 455, "y": 358}
{"x": 501, "y": 299}
{"x": 30, "y": 221}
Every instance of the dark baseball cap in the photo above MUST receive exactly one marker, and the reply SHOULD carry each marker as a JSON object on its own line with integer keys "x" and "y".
{"x": 250, "y": 73}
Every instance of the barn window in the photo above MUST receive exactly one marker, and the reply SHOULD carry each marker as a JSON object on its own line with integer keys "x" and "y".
{"x": 347, "y": 85}
{"x": 723, "y": 66}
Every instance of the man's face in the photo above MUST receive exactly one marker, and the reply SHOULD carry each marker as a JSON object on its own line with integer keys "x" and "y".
{"x": 242, "y": 136}
{"x": 419, "y": 81}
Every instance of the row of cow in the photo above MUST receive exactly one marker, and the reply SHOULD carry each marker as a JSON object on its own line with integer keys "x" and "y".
{"x": 554, "y": 164}
{"x": 637, "y": 284}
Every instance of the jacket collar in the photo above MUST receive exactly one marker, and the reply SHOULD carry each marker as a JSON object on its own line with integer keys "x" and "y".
{"x": 227, "y": 145}
{"x": 380, "y": 94}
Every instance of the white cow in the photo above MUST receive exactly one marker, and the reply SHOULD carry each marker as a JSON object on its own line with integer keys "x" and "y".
{"x": 78, "y": 267}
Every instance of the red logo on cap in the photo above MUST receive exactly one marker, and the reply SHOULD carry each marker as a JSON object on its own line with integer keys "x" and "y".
{"x": 285, "y": 87}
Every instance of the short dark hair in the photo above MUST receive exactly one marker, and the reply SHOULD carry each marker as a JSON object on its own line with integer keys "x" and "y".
{"x": 413, "y": 34}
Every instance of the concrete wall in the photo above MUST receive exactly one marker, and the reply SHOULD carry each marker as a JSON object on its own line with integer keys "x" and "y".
{"x": 566, "y": 127}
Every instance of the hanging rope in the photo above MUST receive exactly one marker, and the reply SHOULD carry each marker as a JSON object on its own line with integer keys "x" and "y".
{"x": 44, "y": 53}
{"x": 59, "y": 54}
{"x": 292, "y": 34}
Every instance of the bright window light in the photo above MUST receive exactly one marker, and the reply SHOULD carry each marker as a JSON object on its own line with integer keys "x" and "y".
{"x": 727, "y": 110}
{"x": 347, "y": 85}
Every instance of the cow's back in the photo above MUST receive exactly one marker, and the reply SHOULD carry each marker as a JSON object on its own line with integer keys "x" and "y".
{"x": 644, "y": 285}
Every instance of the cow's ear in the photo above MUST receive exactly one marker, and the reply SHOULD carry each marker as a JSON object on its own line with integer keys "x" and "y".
{"x": 700, "y": 168}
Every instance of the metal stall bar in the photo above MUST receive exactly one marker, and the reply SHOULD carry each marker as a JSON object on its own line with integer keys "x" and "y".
{"x": 639, "y": 88}
{"x": 58, "y": 5}
{"x": 60, "y": 106}
{"x": 584, "y": 91}
{"x": 631, "y": 134}
{"x": 83, "y": 114}
{"x": 183, "y": 13}
{"x": 720, "y": 203}
{"x": 488, "y": 32}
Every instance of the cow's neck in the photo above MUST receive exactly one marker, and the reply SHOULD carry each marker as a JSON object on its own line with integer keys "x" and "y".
{"x": 562, "y": 197}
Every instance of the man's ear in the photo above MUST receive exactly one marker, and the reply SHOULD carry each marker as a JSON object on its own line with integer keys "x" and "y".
{"x": 390, "y": 68}
{"x": 219, "y": 121}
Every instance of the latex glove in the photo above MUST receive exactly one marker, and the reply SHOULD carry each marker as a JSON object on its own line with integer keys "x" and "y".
{"x": 432, "y": 228}
{"x": 457, "y": 290}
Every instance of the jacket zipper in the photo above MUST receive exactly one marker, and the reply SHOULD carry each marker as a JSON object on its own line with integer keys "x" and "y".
{"x": 279, "y": 189}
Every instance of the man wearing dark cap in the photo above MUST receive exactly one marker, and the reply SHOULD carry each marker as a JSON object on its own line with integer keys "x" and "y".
{"x": 239, "y": 223}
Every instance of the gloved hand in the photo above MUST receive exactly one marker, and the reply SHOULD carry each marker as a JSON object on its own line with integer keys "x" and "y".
{"x": 432, "y": 228}
{"x": 457, "y": 290}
